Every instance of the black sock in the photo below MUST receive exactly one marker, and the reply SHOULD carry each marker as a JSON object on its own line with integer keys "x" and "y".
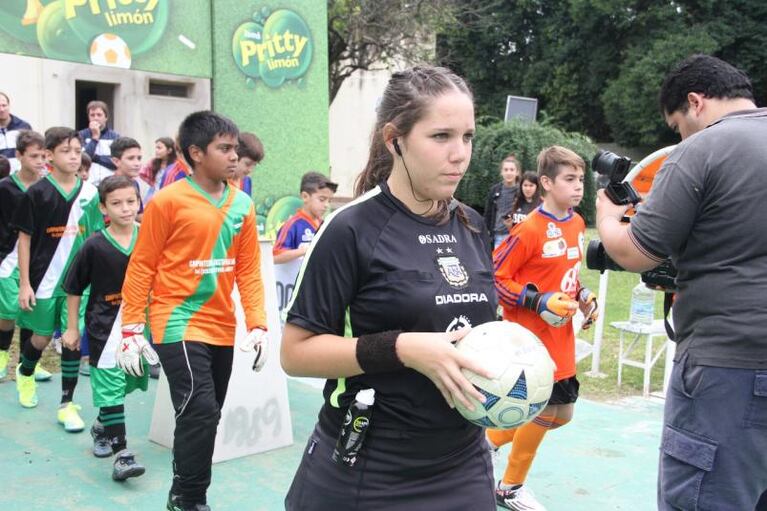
{"x": 70, "y": 365}
{"x": 6, "y": 336}
{"x": 29, "y": 359}
{"x": 25, "y": 335}
{"x": 113, "y": 420}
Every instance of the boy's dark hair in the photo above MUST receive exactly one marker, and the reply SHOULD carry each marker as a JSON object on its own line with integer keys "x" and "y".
{"x": 86, "y": 160}
{"x": 92, "y": 105}
{"x": 27, "y": 139}
{"x": 250, "y": 147}
{"x": 704, "y": 74}
{"x": 200, "y": 128}
{"x": 58, "y": 135}
{"x": 113, "y": 183}
{"x": 311, "y": 182}
{"x": 5, "y": 166}
{"x": 121, "y": 145}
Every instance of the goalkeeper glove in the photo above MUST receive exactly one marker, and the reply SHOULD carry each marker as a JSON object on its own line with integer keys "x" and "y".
{"x": 132, "y": 347}
{"x": 587, "y": 301}
{"x": 256, "y": 340}
{"x": 555, "y": 308}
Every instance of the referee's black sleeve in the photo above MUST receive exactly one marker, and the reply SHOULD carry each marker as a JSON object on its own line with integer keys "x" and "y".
{"x": 328, "y": 279}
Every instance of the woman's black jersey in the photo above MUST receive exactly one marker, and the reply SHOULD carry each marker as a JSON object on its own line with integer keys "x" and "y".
{"x": 374, "y": 266}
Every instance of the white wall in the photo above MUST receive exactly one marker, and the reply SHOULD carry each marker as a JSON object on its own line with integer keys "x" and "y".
{"x": 352, "y": 117}
{"x": 42, "y": 92}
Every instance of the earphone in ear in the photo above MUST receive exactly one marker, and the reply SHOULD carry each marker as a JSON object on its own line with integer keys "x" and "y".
{"x": 396, "y": 147}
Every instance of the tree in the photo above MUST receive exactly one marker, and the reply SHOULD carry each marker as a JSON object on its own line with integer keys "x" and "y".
{"x": 374, "y": 34}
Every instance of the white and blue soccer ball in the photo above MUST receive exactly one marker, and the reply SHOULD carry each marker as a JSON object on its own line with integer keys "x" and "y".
{"x": 523, "y": 375}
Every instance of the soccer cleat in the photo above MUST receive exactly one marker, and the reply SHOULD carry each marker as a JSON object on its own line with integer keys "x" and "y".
{"x": 41, "y": 374}
{"x": 519, "y": 498}
{"x": 101, "y": 446}
{"x": 176, "y": 504}
{"x": 27, "y": 389}
{"x": 125, "y": 466}
{"x": 4, "y": 356}
{"x": 70, "y": 418}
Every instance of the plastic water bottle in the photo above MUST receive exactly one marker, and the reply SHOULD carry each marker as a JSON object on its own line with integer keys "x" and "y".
{"x": 356, "y": 424}
{"x": 642, "y": 311}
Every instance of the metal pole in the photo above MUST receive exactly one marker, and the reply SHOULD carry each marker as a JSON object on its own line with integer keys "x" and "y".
{"x": 599, "y": 328}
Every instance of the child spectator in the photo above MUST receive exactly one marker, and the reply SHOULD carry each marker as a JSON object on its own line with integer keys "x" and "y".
{"x": 295, "y": 236}
{"x": 250, "y": 152}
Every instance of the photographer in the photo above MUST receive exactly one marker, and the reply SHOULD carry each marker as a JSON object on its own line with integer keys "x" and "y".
{"x": 704, "y": 213}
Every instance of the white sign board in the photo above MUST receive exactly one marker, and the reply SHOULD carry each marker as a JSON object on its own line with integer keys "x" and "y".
{"x": 256, "y": 415}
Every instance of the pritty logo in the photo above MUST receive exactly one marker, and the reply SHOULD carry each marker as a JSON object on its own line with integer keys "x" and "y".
{"x": 275, "y": 47}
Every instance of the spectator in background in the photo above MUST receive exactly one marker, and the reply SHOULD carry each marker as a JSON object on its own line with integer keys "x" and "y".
{"x": 5, "y": 166}
{"x": 85, "y": 167}
{"x": 10, "y": 125}
{"x": 97, "y": 139}
{"x": 528, "y": 198}
{"x": 250, "y": 152}
{"x": 500, "y": 198}
{"x": 153, "y": 173}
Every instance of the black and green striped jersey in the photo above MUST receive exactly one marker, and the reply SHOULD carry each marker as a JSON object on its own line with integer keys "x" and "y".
{"x": 11, "y": 192}
{"x": 380, "y": 267}
{"x": 100, "y": 264}
{"x": 58, "y": 224}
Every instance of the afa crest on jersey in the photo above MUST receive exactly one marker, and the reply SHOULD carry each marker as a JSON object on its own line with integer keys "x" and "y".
{"x": 453, "y": 271}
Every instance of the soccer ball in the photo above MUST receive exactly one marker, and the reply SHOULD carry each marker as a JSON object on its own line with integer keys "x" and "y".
{"x": 523, "y": 370}
{"x": 110, "y": 50}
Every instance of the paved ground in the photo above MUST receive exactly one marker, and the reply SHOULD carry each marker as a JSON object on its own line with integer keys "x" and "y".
{"x": 604, "y": 460}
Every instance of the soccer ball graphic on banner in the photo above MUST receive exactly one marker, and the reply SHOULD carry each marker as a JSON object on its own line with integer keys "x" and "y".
{"x": 523, "y": 370}
{"x": 110, "y": 50}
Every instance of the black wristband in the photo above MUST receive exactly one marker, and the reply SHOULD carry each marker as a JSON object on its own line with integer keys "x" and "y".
{"x": 377, "y": 353}
{"x": 530, "y": 297}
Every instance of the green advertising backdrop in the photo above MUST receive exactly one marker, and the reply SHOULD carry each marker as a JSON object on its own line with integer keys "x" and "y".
{"x": 167, "y": 36}
{"x": 270, "y": 76}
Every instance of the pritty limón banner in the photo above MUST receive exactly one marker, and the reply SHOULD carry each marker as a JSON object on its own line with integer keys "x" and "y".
{"x": 270, "y": 75}
{"x": 169, "y": 36}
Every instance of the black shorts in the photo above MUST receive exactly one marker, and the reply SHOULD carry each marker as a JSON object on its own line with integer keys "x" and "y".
{"x": 565, "y": 391}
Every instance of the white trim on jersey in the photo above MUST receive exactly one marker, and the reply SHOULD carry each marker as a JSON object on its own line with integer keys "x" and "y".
{"x": 359, "y": 200}
{"x": 108, "y": 358}
{"x": 63, "y": 253}
{"x": 10, "y": 263}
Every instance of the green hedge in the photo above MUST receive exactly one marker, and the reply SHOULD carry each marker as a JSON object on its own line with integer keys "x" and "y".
{"x": 525, "y": 140}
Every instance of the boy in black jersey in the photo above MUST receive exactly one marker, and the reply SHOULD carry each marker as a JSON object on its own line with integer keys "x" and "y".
{"x": 54, "y": 218}
{"x": 101, "y": 264}
{"x": 30, "y": 152}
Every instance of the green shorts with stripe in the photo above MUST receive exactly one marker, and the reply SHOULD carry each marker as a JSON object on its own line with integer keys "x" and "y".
{"x": 110, "y": 386}
{"x": 48, "y": 315}
{"x": 9, "y": 297}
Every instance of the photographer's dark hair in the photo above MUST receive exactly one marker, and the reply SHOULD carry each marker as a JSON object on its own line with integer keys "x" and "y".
{"x": 27, "y": 139}
{"x": 200, "y": 128}
{"x": 405, "y": 100}
{"x": 113, "y": 183}
{"x": 121, "y": 145}
{"x": 312, "y": 182}
{"x": 704, "y": 74}
{"x": 58, "y": 135}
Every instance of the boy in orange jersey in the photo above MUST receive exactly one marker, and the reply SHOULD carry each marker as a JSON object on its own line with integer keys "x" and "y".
{"x": 197, "y": 239}
{"x": 537, "y": 278}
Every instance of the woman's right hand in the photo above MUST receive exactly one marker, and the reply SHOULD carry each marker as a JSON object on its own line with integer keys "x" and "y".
{"x": 433, "y": 355}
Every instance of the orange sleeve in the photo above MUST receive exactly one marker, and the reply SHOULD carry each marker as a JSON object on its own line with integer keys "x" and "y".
{"x": 142, "y": 267}
{"x": 248, "y": 274}
{"x": 508, "y": 258}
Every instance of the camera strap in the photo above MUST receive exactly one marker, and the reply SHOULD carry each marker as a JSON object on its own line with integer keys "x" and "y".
{"x": 668, "y": 301}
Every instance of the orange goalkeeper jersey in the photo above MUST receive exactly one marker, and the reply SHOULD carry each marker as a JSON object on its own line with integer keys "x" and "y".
{"x": 190, "y": 251}
{"x": 544, "y": 251}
